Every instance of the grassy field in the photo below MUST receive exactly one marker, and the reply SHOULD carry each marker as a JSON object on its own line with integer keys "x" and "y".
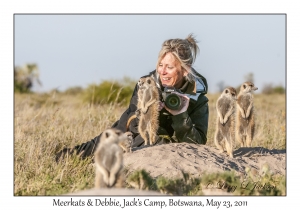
{"x": 270, "y": 112}
{"x": 44, "y": 124}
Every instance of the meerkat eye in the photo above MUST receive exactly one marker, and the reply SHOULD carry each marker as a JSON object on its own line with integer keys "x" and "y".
{"x": 226, "y": 91}
{"x": 118, "y": 133}
{"x": 244, "y": 86}
{"x": 106, "y": 134}
{"x": 148, "y": 81}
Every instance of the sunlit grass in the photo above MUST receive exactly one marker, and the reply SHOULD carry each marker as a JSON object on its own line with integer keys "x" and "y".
{"x": 270, "y": 120}
{"x": 44, "y": 124}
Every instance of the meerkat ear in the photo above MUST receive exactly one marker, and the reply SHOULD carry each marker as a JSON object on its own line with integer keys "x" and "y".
{"x": 149, "y": 81}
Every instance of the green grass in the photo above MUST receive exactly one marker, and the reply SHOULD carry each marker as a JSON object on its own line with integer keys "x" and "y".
{"x": 263, "y": 183}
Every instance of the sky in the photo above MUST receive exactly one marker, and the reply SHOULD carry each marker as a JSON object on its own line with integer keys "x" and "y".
{"x": 78, "y": 50}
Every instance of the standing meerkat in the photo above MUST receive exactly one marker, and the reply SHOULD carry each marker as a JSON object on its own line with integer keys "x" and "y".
{"x": 225, "y": 126}
{"x": 245, "y": 124}
{"x": 148, "y": 109}
{"x": 109, "y": 159}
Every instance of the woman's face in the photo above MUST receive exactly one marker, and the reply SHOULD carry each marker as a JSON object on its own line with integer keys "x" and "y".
{"x": 170, "y": 71}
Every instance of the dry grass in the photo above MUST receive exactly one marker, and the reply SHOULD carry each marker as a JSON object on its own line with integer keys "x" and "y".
{"x": 44, "y": 124}
{"x": 270, "y": 118}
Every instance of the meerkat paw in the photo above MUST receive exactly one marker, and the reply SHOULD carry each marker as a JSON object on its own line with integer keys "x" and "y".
{"x": 111, "y": 181}
{"x": 138, "y": 113}
{"x": 243, "y": 115}
{"x": 145, "y": 110}
{"x": 225, "y": 120}
{"x": 221, "y": 121}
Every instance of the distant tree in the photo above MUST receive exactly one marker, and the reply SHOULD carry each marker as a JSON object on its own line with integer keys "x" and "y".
{"x": 221, "y": 86}
{"x": 270, "y": 89}
{"x": 279, "y": 89}
{"x": 249, "y": 77}
{"x": 25, "y": 76}
{"x": 267, "y": 88}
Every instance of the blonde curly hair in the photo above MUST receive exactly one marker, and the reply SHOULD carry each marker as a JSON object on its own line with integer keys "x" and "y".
{"x": 184, "y": 50}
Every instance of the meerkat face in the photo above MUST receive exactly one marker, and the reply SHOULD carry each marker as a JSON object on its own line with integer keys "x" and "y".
{"x": 111, "y": 135}
{"x": 145, "y": 82}
{"x": 230, "y": 92}
{"x": 248, "y": 87}
{"x": 141, "y": 82}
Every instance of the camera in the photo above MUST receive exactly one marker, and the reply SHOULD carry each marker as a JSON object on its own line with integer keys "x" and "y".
{"x": 171, "y": 99}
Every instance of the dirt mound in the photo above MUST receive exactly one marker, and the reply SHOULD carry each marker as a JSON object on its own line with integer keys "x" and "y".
{"x": 169, "y": 160}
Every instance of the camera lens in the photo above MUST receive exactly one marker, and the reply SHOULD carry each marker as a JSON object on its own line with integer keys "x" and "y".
{"x": 173, "y": 101}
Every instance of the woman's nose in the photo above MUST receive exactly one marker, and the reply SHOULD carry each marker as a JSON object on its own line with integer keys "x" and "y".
{"x": 163, "y": 70}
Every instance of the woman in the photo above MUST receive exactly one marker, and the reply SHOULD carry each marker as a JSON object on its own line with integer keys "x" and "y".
{"x": 189, "y": 123}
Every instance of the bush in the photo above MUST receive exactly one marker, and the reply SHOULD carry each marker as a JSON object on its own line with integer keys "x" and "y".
{"x": 141, "y": 180}
{"x": 279, "y": 89}
{"x": 24, "y": 77}
{"x": 73, "y": 90}
{"x": 109, "y": 92}
{"x": 269, "y": 89}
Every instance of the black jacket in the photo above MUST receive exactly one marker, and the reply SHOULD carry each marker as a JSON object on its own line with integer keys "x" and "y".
{"x": 190, "y": 126}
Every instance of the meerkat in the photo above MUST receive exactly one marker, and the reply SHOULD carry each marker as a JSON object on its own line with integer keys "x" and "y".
{"x": 224, "y": 135}
{"x": 126, "y": 142}
{"x": 148, "y": 109}
{"x": 245, "y": 124}
{"x": 109, "y": 159}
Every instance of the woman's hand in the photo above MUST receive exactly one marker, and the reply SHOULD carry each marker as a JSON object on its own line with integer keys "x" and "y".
{"x": 161, "y": 106}
{"x": 184, "y": 106}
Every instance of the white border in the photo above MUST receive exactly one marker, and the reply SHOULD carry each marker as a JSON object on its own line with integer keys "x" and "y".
{"x": 8, "y": 8}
